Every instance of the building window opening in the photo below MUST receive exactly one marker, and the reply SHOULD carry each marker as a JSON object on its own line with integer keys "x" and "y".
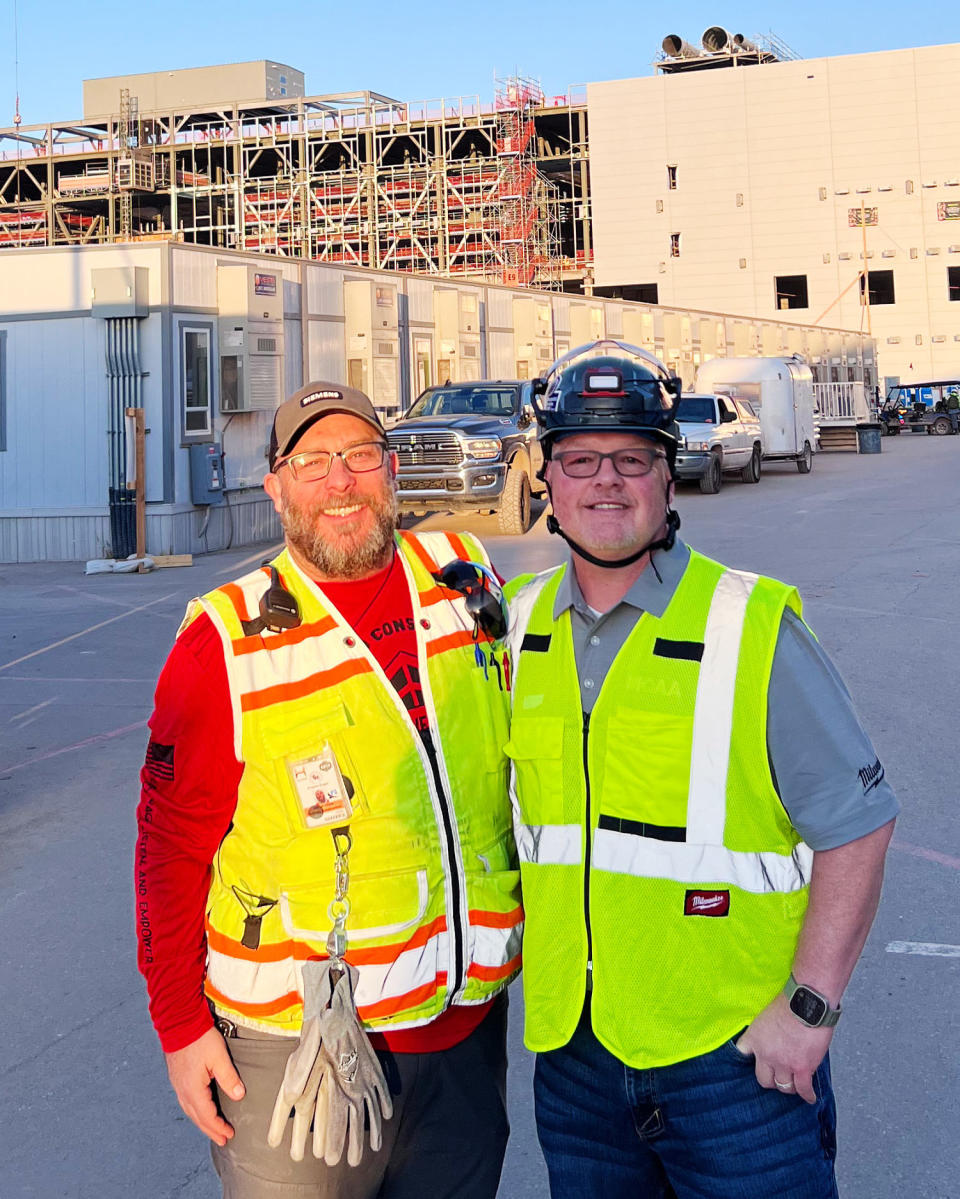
{"x": 881, "y": 287}
{"x": 953, "y": 282}
{"x": 672, "y": 178}
{"x": 674, "y": 245}
{"x": 791, "y": 291}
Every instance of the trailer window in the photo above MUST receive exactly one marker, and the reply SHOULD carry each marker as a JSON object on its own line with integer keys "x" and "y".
{"x": 953, "y": 282}
{"x": 195, "y": 381}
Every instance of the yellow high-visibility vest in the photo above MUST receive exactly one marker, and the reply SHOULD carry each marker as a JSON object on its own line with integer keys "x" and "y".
{"x": 435, "y": 914}
{"x": 652, "y": 841}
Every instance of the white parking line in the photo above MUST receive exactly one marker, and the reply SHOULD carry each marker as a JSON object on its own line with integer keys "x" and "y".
{"x": 66, "y": 749}
{"x": 927, "y": 949}
{"x": 29, "y": 711}
{"x": 83, "y": 632}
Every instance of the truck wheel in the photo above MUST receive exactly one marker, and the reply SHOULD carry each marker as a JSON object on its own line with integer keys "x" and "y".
{"x": 751, "y": 472}
{"x": 514, "y": 514}
{"x": 805, "y": 461}
{"x": 941, "y": 426}
{"x": 712, "y": 477}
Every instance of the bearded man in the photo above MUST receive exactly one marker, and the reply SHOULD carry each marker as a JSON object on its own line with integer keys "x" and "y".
{"x": 324, "y": 784}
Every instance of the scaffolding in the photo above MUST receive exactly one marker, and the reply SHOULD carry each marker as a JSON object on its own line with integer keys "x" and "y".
{"x": 493, "y": 191}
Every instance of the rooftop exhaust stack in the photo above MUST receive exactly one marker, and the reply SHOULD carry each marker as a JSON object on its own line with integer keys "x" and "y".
{"x": 716, "y": 40}
{"x": 743, "y": 45}
{"x": 674, "y": 45}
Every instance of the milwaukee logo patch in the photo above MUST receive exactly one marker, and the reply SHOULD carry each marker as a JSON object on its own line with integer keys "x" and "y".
{"x": 871, "y": 776}
{"x": 706, "y": 903}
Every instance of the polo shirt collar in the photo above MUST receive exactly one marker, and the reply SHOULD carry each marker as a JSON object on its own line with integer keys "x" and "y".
{"x": 648, "y": 593}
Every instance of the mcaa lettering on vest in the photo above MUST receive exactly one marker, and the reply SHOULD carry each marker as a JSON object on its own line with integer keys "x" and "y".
{"x": 683, "y": 821}
{"x": 435, "y": 912}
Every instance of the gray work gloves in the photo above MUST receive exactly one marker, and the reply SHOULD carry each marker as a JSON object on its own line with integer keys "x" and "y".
{"x": 333, "y": 1077}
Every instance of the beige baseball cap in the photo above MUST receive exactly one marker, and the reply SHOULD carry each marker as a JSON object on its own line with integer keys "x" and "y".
{"x": 309, "y": 404}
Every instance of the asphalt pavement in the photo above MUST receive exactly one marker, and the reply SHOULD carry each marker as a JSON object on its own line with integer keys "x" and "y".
{"x": 85, "y": 1108}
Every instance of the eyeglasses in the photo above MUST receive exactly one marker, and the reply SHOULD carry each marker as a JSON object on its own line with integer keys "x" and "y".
{"x": 584, "y": 464}
{"x": 358, "y": 459}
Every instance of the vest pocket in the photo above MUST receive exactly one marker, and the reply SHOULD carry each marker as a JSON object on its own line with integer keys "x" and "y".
{"x": 644, "y": 767}
{"x": 536, "y": 748}
{"x": 376, "y": 901}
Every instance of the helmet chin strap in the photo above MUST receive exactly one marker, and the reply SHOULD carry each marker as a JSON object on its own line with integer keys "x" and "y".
{"x": 665, "y": 542}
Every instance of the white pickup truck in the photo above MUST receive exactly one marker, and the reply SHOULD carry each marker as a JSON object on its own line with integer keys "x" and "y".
{"x": 718, "y": 433}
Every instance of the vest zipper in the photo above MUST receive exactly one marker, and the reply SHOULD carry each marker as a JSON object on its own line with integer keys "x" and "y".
{"x": 586, "y": 850}
{"x": 450, "y": 840}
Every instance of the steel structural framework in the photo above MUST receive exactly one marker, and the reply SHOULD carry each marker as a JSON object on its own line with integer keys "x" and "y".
{"x": 495, "y": 191}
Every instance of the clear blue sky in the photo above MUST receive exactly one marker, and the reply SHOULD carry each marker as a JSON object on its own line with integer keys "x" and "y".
{"x": 413, "y": 51}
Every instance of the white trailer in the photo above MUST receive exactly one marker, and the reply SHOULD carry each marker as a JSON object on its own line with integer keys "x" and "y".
{"x": 780, "y": 390}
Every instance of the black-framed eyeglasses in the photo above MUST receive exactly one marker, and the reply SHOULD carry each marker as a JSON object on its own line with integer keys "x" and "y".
{"x": 584, "y": 464}
{"x": 316, "y": 464}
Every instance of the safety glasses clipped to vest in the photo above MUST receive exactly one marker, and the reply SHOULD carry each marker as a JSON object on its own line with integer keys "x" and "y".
{"x": 481, "y": 589}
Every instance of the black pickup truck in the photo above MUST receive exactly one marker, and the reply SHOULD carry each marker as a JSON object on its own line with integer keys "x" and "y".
{"x": 470, "y": 447}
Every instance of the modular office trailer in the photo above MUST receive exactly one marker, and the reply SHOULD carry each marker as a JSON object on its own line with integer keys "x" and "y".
{"x": 208, "y": 342}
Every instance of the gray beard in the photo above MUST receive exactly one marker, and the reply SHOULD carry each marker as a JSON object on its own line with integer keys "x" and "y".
{"x": 350, "y": 557}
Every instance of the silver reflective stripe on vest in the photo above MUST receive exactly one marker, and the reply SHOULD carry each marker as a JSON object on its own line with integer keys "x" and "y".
{"x": 713, "y": 712}
{"x": 549, "y": 844}
{"x": 760, "y": 873}
{"x": 521, "y": 609}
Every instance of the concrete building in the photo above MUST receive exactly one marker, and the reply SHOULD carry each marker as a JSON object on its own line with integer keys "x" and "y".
{"x": 207, "y": 342}
{"x": 759, "y": 190}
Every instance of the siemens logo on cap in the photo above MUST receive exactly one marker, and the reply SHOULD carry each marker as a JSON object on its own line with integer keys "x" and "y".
{"x": 314, "y": 396}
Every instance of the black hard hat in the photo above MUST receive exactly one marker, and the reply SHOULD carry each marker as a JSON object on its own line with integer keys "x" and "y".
{"x": 608, "y": 387}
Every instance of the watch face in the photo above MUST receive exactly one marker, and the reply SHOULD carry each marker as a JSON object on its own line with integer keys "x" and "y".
{"x": 807, "y": 1006}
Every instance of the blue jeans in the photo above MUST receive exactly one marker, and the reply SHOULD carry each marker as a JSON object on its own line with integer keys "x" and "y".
{"x": 701, "y": 1129}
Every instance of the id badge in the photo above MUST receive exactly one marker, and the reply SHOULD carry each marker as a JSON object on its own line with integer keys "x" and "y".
{"x": 321, "y": 790}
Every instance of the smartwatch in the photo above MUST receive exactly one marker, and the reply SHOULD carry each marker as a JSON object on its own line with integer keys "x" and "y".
{"x": 809, "y": 1006}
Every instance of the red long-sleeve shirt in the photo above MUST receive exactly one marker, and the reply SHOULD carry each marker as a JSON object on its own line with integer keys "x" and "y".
{"x": 188, "y": 797}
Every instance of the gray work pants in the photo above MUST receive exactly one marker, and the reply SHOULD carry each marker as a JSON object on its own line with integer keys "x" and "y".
{"x": 446, "y": 1139}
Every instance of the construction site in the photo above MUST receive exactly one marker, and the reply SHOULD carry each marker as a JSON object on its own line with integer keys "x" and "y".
{"x": 497, "y": 191}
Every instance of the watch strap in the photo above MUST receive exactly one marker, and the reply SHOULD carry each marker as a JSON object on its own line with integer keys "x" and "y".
{"x": 831, "y": 1014}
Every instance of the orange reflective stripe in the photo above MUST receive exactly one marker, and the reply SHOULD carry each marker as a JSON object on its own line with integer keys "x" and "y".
{"x": 436, "y": 595}
{"x": 496, "y": 919}
{"x": 390, "y": 1007}
{"x": 250, "y": 645}
{"x": 237, "y": 599}
{"x": 273, "y": 1008}
{"x": 414, "y": 542}
{"x": 221, "y": 943}
{"x": 455, "y": 641}
{"x": 459, "y": 549}
{"x": 278, "y": 951}
{"x": 314, "y": 682}
{"x": 383, "y": 955}
{"x": 493, "y": 973}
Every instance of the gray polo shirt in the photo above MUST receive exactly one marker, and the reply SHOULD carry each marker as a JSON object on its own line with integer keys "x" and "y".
{"x": 823, "y": 763}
